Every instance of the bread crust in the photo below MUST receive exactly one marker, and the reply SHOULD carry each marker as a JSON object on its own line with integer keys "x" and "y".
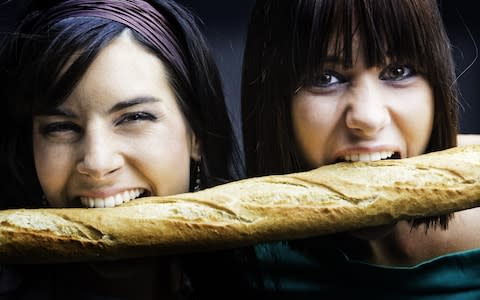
{"x": 333, "y": 198}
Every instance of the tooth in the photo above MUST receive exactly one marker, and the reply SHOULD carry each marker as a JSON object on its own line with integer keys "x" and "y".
{"x": 348, "y": 157}
{"x": 364, "y": 157}
{"x": 375, "y": 156}
{"x": 119, "y": 199}
{"x": 99, "y": 203}
{"x": 110, "y": 202}
{"x": 354, "y": 157}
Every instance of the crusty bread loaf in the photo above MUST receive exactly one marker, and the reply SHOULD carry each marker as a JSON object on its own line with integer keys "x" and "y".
{"x": 334, "y": 198}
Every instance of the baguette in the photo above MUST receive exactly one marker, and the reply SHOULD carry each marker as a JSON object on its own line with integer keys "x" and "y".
{"x": 333, "y": 198}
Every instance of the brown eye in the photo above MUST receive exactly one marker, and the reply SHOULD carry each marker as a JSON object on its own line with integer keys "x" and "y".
{"x": 60, "y": 128}
{"x": 397, "y": 72}
{"x": 327, "y": 79}
{"x": 135, "y": 117}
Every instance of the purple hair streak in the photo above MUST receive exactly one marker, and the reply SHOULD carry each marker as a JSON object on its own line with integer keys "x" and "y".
{"x": 138, "y": 15}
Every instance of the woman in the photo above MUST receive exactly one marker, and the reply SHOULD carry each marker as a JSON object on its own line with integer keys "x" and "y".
{"x": 336, "y": 80}
{"x": 109, "y": 101}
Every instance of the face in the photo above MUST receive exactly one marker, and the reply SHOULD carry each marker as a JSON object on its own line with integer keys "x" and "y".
{"x": 118, "y": 136}
{"x": 363, "y": 114}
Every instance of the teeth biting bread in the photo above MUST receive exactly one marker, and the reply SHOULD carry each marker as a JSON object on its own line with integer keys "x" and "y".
{"x": 334, "y": 198}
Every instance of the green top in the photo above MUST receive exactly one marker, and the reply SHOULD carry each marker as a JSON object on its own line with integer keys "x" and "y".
{"x": 288, "y": 273}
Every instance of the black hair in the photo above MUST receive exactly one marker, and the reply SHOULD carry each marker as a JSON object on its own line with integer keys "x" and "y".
{"x": 288, "y": 43}
{"x": 41, "y": 67}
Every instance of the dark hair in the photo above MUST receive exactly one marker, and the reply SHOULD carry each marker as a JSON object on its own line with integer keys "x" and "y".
{"x": 288, "y": 42}
{"x": 38, "y": 73}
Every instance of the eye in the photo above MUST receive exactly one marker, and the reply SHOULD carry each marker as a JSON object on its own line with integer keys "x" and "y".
{"x": 135, "y": 117}
{"x": 397, "y": 72}
{"x": 327, "y": 79}
{"x": 60, "y": 129}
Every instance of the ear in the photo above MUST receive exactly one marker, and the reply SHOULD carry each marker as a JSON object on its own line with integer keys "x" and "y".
{"x": 195, "y": 147}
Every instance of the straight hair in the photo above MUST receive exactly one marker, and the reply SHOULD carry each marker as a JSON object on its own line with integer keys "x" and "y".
{"x": 288, "y": 43}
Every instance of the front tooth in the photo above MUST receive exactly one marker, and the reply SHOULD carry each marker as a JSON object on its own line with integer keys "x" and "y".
{"x": 364, "y": 157}
{"x": 99, "y": 203}
{"x": 109, "y": 202}
{"x": 91, "y": 202}
{"x": 375, "y": 156}
{"x": 354, "y": 157}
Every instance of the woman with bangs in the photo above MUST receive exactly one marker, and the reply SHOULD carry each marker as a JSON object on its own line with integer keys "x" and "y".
{"x": 336, "y": 80}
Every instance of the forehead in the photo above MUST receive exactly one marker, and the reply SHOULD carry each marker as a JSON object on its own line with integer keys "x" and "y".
{"x": 122, "y": 70}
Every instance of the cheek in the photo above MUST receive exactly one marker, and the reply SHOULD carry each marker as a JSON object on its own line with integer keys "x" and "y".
{"x": 164, "y": 158}
{"x": 416, "y": 120}
{"x": 53, "y": 165}
{"x": 313, "y": 122}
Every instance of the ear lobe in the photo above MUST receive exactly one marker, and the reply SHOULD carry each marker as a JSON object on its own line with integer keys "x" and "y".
{"x": 195, "y": 148}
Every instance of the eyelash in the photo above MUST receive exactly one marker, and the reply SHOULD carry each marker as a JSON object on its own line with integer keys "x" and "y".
{"x": 135, "y": 117}
{"x": 338, "y": 79}
{"x": 59, "y": 127}
{"x": 66, "y": 127}
{"x": 410, "y": 72}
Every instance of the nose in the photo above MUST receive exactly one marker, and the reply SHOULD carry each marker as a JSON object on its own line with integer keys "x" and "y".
{"x": 100, "y": 156}
{"x": 367, "y": 112}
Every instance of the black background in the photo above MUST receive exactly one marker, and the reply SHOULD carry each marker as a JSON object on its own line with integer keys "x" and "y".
{"x": 225, "y": 23}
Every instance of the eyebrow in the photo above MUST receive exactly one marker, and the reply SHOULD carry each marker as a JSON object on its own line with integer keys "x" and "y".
{"x": 56, "y": 111}
{"x": 132, "y": 102}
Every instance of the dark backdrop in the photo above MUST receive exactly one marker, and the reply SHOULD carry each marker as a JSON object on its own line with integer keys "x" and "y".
{"x": 225, "y": 24}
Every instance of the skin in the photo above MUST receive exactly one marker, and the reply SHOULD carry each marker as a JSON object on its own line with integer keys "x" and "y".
{"x": 367, "y": 110}
{"x": 362, "y": 110}
{"x": 120, "y": 130}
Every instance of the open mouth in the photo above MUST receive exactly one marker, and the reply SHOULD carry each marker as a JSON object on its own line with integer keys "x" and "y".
{"x": 371, "y": 156}
{"x": 114, "y": 200}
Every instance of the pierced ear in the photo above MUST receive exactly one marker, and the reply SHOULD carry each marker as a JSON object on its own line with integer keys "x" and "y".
{"x": 195, "y": 148}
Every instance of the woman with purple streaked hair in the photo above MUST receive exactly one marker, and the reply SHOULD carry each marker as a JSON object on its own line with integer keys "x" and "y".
{"x": 109, "y": 101}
